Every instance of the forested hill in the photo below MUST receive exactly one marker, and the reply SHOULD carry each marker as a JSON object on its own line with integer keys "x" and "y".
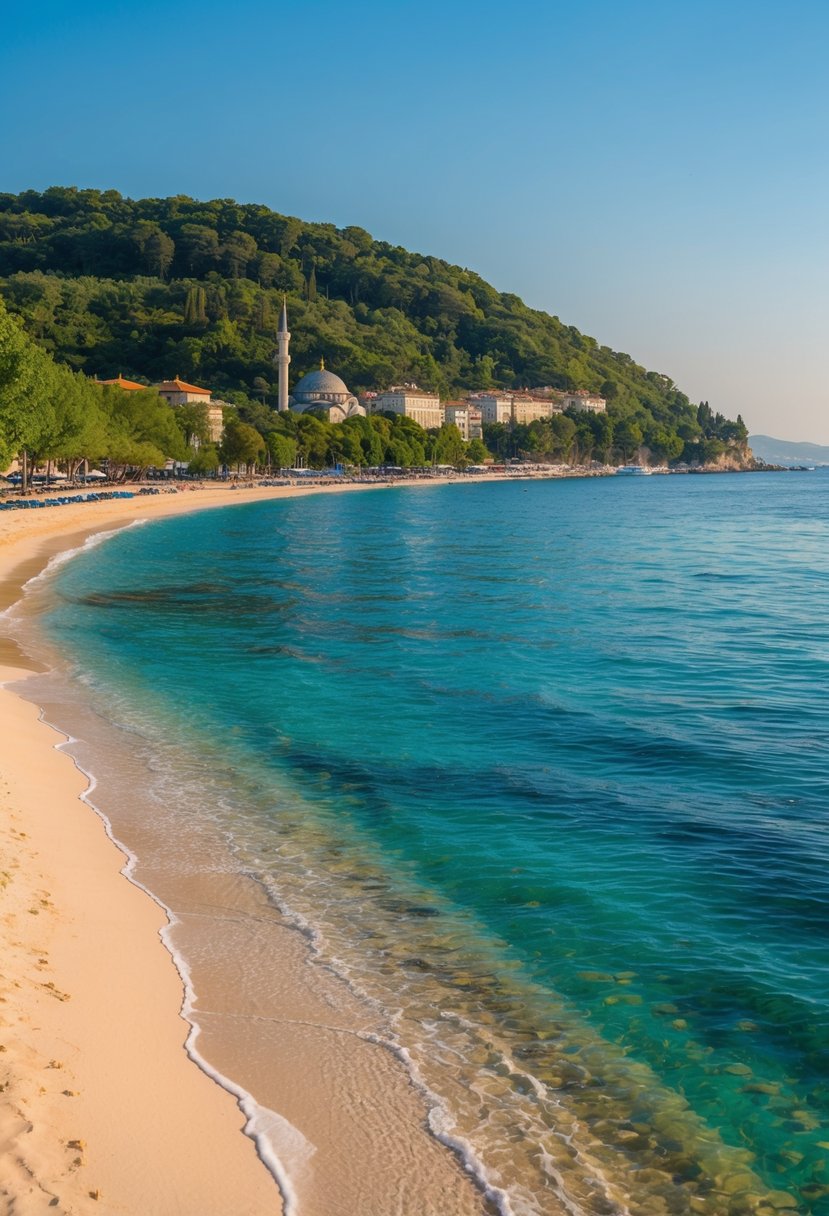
{"x": 154, "y": 288}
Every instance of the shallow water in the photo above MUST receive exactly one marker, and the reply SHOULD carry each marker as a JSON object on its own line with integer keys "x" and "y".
{"x": 542, "y": 770}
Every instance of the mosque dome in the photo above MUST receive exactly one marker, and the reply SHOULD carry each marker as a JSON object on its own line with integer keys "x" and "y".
{"x": 320, "y": 383}
{"x": 320, "y": 391}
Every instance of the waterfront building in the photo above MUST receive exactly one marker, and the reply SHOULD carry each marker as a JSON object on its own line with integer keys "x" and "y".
{"x": 513, "y": 407}
{"x": 412, "y": 402}
{"x": 526, "y": 408}
{"x": 316, "y": 390}
{"x": 494, "y": 407}
{"x": 457, "y": 412}
{"x": 178, "y": 392}
{"x": 466, "y": 416}
{"x": 582, "y": 400}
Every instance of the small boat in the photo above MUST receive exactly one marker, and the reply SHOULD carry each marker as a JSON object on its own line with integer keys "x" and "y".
{"x": 632, "y": 470}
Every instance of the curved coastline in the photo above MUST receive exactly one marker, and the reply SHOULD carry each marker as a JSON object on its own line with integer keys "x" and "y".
{"x": 58, "y": 536}
{"x": 311, "y": 1028}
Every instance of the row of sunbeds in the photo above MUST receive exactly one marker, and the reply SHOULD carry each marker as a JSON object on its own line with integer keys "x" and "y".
{"x": 19, "y": 504}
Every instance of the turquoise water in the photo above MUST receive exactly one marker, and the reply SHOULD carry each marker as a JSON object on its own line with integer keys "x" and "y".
{"x": 552, "y": 759}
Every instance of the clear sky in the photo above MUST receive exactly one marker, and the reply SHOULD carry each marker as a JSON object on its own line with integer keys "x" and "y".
{"x": 653, "y": 173}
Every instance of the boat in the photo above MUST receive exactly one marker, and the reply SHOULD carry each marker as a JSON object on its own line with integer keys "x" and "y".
{"x": 632, "y": 470}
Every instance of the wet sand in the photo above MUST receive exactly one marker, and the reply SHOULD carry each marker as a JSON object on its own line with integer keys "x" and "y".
{"x": 101, "y": 1107}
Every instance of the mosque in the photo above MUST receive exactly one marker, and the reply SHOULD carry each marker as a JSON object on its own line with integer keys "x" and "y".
{"x": 318, "y": 390}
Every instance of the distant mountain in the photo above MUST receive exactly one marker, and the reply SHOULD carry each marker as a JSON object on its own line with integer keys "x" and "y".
{"x": 784, "y": 451}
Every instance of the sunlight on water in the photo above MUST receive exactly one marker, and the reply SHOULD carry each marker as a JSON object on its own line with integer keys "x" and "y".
{"x": 545, "y": 768}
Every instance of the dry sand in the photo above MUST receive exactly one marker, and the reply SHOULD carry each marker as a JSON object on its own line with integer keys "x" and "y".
{"x": 101, "y": 1108}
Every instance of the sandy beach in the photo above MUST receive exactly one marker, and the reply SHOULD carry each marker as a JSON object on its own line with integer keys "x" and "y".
{"x": 102, "y": 1109}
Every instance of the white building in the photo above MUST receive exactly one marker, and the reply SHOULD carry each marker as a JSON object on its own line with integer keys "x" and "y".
{"x": 582, "y": 400}
{"x": 422, "y": 407}
{"x": 526, "y": 408}
{"x": 457, "y": 412}
{"x": 494, "y": 407}
{"x": 513, "y": 407}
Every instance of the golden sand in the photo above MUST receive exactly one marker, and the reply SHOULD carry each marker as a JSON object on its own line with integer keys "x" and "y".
{"x": 101, "y": 1108}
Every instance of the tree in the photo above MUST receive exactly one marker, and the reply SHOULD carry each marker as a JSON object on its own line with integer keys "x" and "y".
{"x": 241, "y": 444}
{"x": 255, "y": 413}
{"x": 268, "y": 268}
{"x": 193, "y": 422}
{"x": 585, "y": 439}
{"x": 350, "y": 447}
{"x": 78, "y": 427}
{"x": 563, "y": 432}
{"x": 663, "y": 442}
{"x": 142, "y": 430}
{"x": 195, "y": 306}
{"x": 312, "y": 437}
{"x": 159, "y": 252}
{"x": 156, "y": 248}
{"x": 199, "y": 246}
{"x": 238, "y": 250}
{"x": 449, "y": 446}
{"x": 27, "y": 378}
{"x": 476, "y": 451}
{"x": 261, "y": 387}
{"x": 628, "y": 436}
{"x": 204, "y": 462}
{"x": 283, "y": 450}
{"x": 290, "y": 235}
{"x": 498, "y": 438}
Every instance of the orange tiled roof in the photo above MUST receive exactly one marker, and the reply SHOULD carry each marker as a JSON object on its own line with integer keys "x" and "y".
{"x": 178, "y": 386}
{"x": 122, "y": 383}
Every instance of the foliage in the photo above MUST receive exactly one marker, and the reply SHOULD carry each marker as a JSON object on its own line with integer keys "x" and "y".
{"x": 155, "y": 286}
{"x": 54, "y": 413}
{"x": 204, "y": 462}
{"x": 26, "y": 382}
{"x": 282, "y": 449}
{"x": 241, "y": 444}
{"x": 193, "y": 422}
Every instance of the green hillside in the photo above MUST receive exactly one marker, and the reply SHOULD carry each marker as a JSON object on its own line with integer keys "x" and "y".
{"x": 154, "y": 288}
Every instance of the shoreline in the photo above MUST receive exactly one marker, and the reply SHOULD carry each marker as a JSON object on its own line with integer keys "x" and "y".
{"x": 324, "y": 1050}
{"x": 97, "y": 1078}
{"x": 96, "y": 1084}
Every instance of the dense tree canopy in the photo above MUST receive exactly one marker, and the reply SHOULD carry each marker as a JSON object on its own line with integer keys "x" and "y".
{"x": 155, "y": 287}
{"x": 54, "y": 413}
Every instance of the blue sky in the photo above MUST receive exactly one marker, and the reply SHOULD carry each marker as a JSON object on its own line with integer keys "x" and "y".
{"x": 654, "y": 173}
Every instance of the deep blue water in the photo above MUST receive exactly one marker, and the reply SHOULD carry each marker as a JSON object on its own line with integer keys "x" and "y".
{"x": 584, "y": 723}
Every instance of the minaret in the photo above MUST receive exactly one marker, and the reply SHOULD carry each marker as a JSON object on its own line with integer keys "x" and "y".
{"x": 283, "y": 337}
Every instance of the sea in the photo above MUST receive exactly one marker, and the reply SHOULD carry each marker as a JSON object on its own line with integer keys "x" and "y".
{"x": 538, "y": 768}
